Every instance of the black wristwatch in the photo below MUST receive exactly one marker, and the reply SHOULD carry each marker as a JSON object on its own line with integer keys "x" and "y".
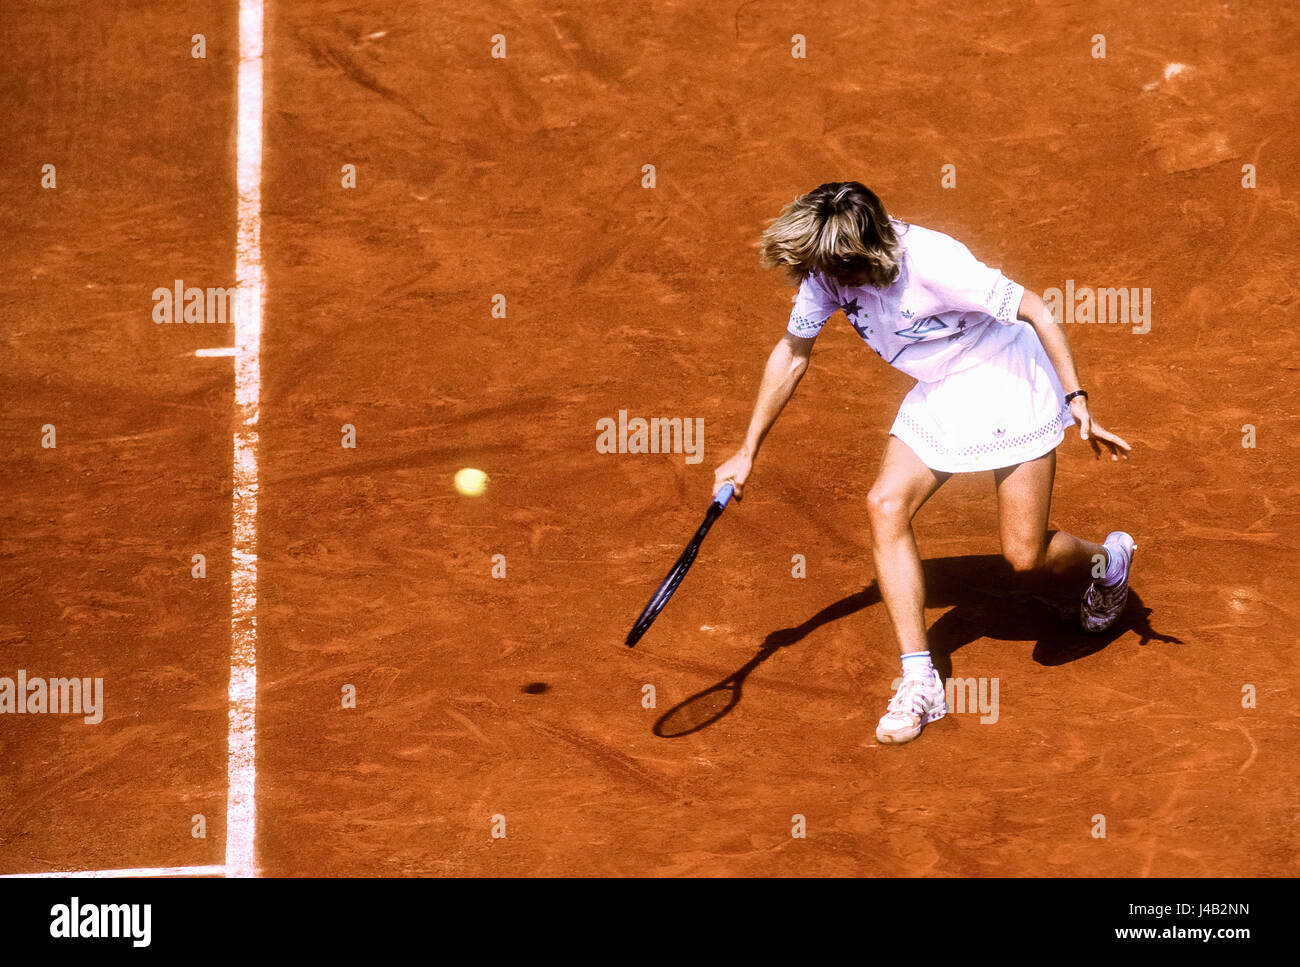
{"x": 1078, "y": 392}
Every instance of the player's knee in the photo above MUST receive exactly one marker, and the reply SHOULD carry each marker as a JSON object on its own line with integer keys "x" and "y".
{"x": 886, "y": 509}
{"x": 1024, "y": 558}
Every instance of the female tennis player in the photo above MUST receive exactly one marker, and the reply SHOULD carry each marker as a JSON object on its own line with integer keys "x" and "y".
{"x": 996, "y": 389}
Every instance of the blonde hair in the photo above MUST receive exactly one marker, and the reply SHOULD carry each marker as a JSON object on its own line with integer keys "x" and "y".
{"x": 839, "y": 228}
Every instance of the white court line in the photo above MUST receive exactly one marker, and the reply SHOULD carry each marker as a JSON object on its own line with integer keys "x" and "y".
{"x": 120, "y": 874}
{"x": 241, "y": 763}
{"x": 217, "y": 350}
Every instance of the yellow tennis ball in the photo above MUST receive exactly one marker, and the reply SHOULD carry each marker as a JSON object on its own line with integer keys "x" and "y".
{"x": 471, "y": 482}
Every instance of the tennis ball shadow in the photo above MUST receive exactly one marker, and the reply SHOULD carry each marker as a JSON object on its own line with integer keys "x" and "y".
{"x": 986, "y": 599}
{"x": 535, "y": 688}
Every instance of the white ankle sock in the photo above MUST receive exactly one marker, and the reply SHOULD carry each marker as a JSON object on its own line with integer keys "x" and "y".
{"x": 917, "y": 663}
{"x": 1114, "y": 566}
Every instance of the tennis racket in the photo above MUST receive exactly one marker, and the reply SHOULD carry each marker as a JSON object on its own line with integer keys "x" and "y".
{"x": 674, "y": 578}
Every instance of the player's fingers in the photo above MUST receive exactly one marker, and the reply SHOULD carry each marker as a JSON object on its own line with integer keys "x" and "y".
{"x": 1085, "y": 425}
{"x": 1118, "y": 447}
{"x": 1115, "y": 439}
{"x": 721, "y": 476}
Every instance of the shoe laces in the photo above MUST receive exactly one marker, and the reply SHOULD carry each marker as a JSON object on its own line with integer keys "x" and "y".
{"x": 1101, "y": 597}
{"x": 910, "y": 696}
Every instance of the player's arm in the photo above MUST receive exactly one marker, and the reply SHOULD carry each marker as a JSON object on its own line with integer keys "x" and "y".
{"x": 785, "y": 367}
{"x": 1035, "y": 312}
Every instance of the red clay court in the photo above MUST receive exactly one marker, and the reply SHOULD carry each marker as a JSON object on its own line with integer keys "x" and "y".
{"x": 482, "y": 636}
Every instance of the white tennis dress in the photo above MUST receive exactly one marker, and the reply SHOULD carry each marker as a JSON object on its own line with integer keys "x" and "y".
{"x": 986, "y": 395}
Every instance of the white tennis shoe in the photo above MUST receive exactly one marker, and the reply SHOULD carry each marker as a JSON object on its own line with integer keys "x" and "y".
{"x": 1101, "y": 605}
{"x": 919, "y": 701}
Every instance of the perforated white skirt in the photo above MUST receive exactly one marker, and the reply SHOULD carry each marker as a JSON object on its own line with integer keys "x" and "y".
{"x": 1005, "y": 410}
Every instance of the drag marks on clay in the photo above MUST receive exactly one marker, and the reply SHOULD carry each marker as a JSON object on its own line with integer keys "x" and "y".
{"x": 108, "y": 747}
{"x": 1170, "y": 814}
{"x": 1254, "y": 749}
{"x": 1207, "y": 533}
{"x": 1191, "y": 139}
{"x": 612, "y": 761}
{"x": 616, "y": 763}
{"x": 801, "y": 503}
{"x": 1181, "y": 145}
{"x": 519, "y": 114}
{"x": 741, "y": 9}
{"x": 327, "y": 52}
{"x": 733, "y": 853}
{"x": 1163, "y": 744}
{"x": 468, "y": 724}
{"x": 1245, "y": 609}
{"x": 604, "y": 257}
{"x": 579, "y": 51}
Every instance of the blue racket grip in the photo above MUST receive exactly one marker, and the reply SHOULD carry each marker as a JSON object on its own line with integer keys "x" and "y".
{"x": 724, "y": 495}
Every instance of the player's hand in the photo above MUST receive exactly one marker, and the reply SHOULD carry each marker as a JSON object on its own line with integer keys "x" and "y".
{"x": 1095, "y": 434}
{"x": 736, "y": 470}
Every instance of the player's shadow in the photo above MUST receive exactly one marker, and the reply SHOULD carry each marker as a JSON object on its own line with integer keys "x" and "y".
{"x": 986, "y": 600}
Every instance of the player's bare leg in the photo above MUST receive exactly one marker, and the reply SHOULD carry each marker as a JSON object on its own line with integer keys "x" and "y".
{"x": 903, "y": 485}
{"x": 1024, "y": 500}
{"x": 1024, "y": 497}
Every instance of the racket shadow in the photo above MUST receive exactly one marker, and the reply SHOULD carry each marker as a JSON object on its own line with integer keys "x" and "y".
{"x": 702, "y": 709}
{"x": 986, "y": 601}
